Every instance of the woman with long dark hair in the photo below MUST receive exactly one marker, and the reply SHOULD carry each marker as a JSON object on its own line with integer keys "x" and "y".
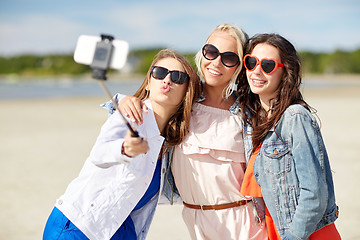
{"x": 289, "y": 166}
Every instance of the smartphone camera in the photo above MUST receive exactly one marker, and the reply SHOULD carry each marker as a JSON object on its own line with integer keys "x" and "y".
{"x": 101, "y": 53}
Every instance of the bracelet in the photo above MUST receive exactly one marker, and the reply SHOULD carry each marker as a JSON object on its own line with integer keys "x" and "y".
{"x": 123, "y": 151}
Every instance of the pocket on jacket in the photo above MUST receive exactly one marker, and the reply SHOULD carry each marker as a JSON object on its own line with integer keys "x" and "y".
{"x": 277, "y": 160}
{"x": 293, "y": 198}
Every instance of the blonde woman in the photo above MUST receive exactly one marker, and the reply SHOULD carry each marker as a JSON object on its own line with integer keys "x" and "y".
{"x": 209, "y": 164}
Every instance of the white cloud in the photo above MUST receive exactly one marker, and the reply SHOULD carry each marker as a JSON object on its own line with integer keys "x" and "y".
{"x": 183, "y": 25}
{"x": 40, "y": 34}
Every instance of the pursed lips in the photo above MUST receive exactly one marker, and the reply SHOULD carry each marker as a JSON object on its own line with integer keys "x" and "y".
{"x": 165, "y": 88}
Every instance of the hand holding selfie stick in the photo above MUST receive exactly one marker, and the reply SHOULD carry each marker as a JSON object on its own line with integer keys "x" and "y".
{"x": 100, "y": 64}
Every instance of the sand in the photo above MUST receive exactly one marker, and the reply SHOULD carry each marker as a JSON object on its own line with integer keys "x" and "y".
{"x": 43, "y": 144}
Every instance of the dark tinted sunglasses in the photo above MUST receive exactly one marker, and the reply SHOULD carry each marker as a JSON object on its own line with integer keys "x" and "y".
{"x": 160, "y": 73}
{"x": 229, "y": 59}
{"x": 267, "y": 65}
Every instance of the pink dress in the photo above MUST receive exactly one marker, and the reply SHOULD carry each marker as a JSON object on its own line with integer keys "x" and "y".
{"x": 208, "y": 168}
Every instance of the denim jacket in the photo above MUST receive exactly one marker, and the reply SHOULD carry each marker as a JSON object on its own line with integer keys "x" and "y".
{"x": 293, "y": 171}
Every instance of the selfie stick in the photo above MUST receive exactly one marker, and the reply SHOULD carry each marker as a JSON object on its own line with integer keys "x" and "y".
{"x": 100, "y": 64}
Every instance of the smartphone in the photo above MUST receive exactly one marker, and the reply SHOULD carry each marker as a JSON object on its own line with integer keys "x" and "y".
{"x": 85, "y": 50}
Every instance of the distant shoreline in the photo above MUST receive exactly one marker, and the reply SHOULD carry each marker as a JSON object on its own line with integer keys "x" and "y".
{"x": 12, "y": 88}
{"x": 82, "y": 77}
{"x": 333, "y": 77}
{"x": 113, "y": 76}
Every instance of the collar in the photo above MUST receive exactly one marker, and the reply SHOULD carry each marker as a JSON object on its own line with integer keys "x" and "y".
{"x": 234, "y": 109}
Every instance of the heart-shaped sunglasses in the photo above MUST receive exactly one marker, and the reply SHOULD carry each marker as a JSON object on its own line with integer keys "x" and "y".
{"x": 267, "y": 65}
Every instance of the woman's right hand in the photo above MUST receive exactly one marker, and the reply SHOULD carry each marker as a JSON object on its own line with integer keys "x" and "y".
{"x": 133, "y": 146}
{"x": 132, "y": 107}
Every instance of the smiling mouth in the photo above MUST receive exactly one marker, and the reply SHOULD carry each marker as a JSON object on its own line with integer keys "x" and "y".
{"x": 213, "y": 72}
{"x": 258, "y": 83}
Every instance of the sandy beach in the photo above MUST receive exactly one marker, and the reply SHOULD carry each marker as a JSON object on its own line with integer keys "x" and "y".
{"x": 43, "y": 144}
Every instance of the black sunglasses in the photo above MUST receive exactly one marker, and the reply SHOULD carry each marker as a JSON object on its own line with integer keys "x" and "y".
{"x": 160, "y": 73}
{"x": 229, "y": 59}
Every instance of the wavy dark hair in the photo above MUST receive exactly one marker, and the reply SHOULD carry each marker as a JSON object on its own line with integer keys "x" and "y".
{"x": 178, "y": 125}
{"x": 288, "y": 94}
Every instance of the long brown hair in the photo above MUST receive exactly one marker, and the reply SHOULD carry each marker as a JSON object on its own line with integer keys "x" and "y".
{"x": 178, "y": 125}
{"x": 288, "y": 94}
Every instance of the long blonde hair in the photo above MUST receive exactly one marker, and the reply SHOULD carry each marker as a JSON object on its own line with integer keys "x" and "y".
{"x": 241, "y": 39}
{"x": 178, "y": 125}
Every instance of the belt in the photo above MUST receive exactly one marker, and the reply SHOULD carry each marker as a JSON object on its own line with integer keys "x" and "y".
{"x": 218, "y": 206}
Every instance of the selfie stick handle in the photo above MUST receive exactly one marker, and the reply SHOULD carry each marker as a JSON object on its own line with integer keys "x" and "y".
{"x": 134, "y": 133}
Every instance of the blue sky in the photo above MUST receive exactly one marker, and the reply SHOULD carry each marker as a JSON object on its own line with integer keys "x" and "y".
{"x": 44, "y": 26}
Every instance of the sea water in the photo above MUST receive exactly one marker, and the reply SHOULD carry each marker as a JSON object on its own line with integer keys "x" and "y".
{"x": 55, "y": 88}
{"x": 58, "y": 88}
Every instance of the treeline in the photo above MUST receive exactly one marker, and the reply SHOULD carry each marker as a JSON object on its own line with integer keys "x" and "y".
{"x": 338, "y": 62}
{"x": 331, "y": 63}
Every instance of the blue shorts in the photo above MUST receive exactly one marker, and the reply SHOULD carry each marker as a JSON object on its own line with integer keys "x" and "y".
{"x": 59, "y": 227}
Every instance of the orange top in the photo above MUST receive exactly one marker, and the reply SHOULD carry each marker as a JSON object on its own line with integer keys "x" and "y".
{"x": 249, "y": 187}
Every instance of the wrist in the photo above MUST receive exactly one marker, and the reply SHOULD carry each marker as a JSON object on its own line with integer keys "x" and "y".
{"x": 123, "y": 151}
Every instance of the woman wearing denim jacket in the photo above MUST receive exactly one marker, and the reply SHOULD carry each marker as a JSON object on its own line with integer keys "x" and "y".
{"x": 289, "y": 166}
